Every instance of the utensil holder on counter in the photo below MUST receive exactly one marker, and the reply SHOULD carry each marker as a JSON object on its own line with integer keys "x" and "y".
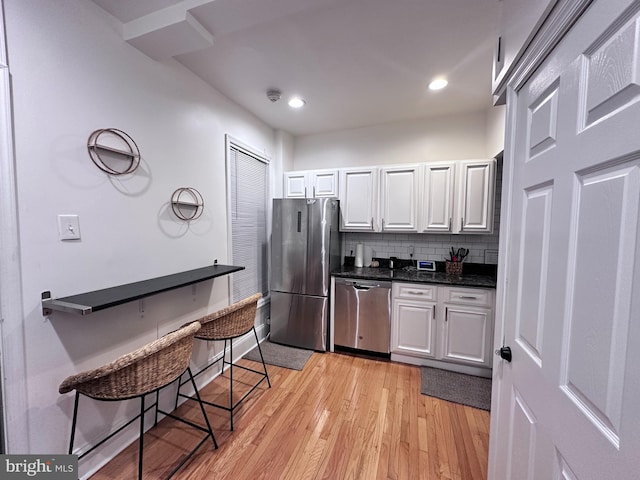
{"x": 453, "y": 268}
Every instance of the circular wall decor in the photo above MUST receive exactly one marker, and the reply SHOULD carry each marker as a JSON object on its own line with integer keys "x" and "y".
{"x": 117, "y": 154}
{"x": 187, "y": 203}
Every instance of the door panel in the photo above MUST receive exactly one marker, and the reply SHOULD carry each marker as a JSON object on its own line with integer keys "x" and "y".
{"x": 572, "y": 272}
{"x": 605, "y": 219}
{"x": 533, "y": 269}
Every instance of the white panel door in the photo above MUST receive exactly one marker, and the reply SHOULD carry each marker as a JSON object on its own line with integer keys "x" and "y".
{"x": 359, "y": 199}
{"x": 436, "y": 206}
{"x": 568, "y": 404}
{"x": 399, "y": 199}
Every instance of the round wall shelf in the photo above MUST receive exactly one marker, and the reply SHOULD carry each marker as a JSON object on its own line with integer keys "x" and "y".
{"x": 113, "y": 151}
{"x": 187, "y": 203}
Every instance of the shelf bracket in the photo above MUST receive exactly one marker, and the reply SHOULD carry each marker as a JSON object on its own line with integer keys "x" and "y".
{"x": 49, "y": 305}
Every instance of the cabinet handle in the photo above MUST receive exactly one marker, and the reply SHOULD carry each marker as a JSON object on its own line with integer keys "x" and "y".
{"x": 450, "y": 224}
{"x": 305, "y": 192}
{"x": 467, "y": 297}
{"x": 383, "y": 224}
{"x": 412, "y": 292}
{"x": 499, "y": 53}
{"x": 314, "y": 192}
{"x": 462, "y": 224}
{"x": 434, "y": 311}
{"x": 446, "y": 314}
{"x": 371, "y": 223}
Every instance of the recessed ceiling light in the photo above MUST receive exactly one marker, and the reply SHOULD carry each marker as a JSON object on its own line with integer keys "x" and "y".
{"x": 438, "y": 84}
{"x": 296, "y": 102}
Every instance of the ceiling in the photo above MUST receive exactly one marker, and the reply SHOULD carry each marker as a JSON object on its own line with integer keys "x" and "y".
{"x": 355, "y": 62}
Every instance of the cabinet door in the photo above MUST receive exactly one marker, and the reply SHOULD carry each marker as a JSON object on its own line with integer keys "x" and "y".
{"x": 436, "y": 206}
{"x": 399, "y": 199}
{"x": 359, "y": 199}
{"x": 324, "y": 183}
{"x": 476, "y": 196}
{"x": 295, "y": 184}
{"x": 413, "y": 328}
{"x": 466, "y": 334}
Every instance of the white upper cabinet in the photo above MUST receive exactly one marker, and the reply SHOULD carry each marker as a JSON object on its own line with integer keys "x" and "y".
{"x": 324, "y": 183}
{"x": 359, "y": 199}
{"x": 436, "y": 204}
{"x": 445, "y": 197}
{"x": 476, "y": 197}
{"x": 295, "y": 184}
{"x": 519, "y": 21}
{"x": 399, "y": 198}
{"x": 311, "y": 184}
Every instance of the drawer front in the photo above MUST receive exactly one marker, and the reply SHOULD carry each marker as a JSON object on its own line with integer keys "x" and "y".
{"x": 415, "y": 291}
{"x": 468, "y": 296}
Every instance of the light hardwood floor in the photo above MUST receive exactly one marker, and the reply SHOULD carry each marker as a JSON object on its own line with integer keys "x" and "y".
{"x": 342, "y": 417}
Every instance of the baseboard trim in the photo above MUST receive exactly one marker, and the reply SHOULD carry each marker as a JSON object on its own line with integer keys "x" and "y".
{"x": 454, "y": 367}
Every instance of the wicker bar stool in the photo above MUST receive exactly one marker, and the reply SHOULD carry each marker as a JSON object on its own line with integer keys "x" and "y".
{"x": 134, "y": 375}
{"x": 231, "y": 322}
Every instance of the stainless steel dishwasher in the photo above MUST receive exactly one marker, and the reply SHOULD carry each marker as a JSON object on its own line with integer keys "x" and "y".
{"x": 362, "y": 314}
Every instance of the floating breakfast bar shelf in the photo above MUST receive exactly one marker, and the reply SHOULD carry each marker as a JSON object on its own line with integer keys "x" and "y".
{"x": 86, "y": 303}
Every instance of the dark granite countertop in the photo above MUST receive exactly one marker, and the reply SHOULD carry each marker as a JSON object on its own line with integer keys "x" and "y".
{"x": 415, "y": 276}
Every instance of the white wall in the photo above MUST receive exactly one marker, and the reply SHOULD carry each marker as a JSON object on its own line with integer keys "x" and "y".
{"x": 447, "y": 138}
{"x": 495, "y": 129}
{"x": 71, "y": 74}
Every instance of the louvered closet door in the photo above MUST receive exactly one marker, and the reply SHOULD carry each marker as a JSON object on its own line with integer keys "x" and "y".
{"x": 568, "y": 405}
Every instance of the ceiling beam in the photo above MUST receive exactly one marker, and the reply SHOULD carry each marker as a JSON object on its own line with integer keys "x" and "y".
{"x": 166, "y": 33}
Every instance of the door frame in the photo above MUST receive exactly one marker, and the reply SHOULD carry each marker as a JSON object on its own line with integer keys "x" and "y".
{"x": 12, "y": 363}
{"x": 560, "y": 20}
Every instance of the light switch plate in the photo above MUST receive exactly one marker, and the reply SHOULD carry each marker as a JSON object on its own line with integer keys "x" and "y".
{"x": 69, "y": 227}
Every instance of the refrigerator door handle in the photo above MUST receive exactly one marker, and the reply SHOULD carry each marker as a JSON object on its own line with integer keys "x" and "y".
{"x": 299, "y": 221}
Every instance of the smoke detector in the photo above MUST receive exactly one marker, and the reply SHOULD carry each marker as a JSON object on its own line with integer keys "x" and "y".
{"x": 274, "y": 95}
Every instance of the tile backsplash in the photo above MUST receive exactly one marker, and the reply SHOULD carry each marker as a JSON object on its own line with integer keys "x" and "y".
{"x": 423, "y": 245}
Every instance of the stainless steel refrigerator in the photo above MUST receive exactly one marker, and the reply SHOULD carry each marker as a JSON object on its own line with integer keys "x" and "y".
{"x": 305, "y": 247}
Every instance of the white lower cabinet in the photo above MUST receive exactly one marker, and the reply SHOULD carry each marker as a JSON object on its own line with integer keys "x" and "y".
{"x": 441, "y": 326}
{"x": 414, "y": 326}
{"x": 465, "y": 334}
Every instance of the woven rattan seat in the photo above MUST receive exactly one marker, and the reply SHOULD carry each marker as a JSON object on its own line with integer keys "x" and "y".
{"x": 136, "y": 374}
{"x": 227, "y": 324}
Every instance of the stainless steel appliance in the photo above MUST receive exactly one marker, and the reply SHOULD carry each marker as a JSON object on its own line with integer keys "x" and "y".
{"x": 362, "y": 316}
{"x": 305, "y": 248}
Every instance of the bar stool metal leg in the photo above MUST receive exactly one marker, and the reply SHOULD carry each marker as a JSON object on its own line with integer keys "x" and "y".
{"x": 264, "y": 366}
{"x": 73, "y": 423}
{"x": 141, "y": 441}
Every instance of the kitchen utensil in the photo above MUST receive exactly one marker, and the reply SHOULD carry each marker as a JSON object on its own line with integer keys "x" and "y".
{"x": 359, "y": 262}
